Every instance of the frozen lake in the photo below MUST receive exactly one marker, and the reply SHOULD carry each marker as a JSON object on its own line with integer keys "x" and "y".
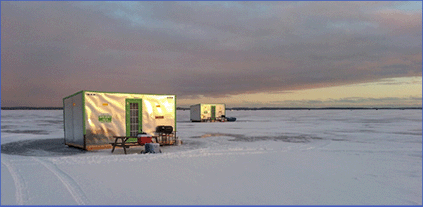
{"x": 281, "y": 157}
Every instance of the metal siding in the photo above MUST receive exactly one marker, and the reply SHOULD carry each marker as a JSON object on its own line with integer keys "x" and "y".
{"x": 205, "y": 111}
{"x": 158, "y": 110}
{"x": 68, "y": 120}
{"x": 73, "y": 120}
{"x": 220, "y": 110}
{"x": 78, "y": 122}
{"x": 97, "y": 104}
{"x": 114, "y": 104}
{"x": 174, "y": 109}
{"x": 195, "y": 111}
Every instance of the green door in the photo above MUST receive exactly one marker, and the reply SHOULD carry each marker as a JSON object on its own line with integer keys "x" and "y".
{"x": 133, "y": 118}
{"x": 213, "y": 113}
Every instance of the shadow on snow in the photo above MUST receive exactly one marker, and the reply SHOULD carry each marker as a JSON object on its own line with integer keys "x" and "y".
{"x": 40, "y": 148}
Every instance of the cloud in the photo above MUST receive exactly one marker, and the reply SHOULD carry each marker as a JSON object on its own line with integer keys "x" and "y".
{"x": 210, "y": 49}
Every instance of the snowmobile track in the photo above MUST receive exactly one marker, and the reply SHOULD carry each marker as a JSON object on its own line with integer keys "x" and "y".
{"x": 20, "y": 185}
{"x": 71, "y": 185}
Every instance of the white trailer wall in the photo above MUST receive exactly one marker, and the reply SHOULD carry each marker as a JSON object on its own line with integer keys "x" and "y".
{"x": 205, "y": 111}
{"x": 220, "y": 110}
{"x": 73, "y": 120}
{"x": 195, "y": 112}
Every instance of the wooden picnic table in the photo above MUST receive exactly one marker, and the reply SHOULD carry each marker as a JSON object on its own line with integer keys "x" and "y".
{"x": 124, "y": 144}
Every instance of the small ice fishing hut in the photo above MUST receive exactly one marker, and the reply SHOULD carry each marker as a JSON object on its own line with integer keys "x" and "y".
{"x": 207, "y": 112}
{"x": 93, "y": 118}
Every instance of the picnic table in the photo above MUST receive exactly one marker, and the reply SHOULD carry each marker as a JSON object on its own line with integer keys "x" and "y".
{"x": 124, "y": 144}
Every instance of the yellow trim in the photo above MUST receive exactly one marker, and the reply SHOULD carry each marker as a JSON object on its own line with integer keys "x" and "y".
{"x": 99, "y": 147}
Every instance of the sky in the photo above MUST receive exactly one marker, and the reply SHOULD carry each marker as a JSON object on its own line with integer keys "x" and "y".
{"x": 243, "y": 54}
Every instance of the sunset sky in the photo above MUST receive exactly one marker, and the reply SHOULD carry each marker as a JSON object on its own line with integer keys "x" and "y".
{"x": 243, "y": 54}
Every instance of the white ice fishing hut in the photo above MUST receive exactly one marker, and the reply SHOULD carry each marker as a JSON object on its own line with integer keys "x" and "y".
{"x": 92, "y": 118}
{"x": 207, "y": 112}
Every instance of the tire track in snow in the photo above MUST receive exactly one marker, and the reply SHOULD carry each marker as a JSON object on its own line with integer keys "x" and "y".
{"x": 74, "y": 189}
{"x": 20, "y": 185}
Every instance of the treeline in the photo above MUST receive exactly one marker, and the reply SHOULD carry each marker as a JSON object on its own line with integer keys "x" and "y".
{"x": 31, "y": 108}
{"x": 303, "y": 108}
{"x": 241, "y": 108}
{"x": 324, "y": 108}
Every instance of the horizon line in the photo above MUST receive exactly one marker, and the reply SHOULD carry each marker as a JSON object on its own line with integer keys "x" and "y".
{"x": 237, "y": 108}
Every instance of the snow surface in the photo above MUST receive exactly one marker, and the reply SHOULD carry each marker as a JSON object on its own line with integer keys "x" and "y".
{"x": 286, "y": 157}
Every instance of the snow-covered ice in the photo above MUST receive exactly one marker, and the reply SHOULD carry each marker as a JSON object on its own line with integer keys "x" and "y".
{"x": 285, "y": 157}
